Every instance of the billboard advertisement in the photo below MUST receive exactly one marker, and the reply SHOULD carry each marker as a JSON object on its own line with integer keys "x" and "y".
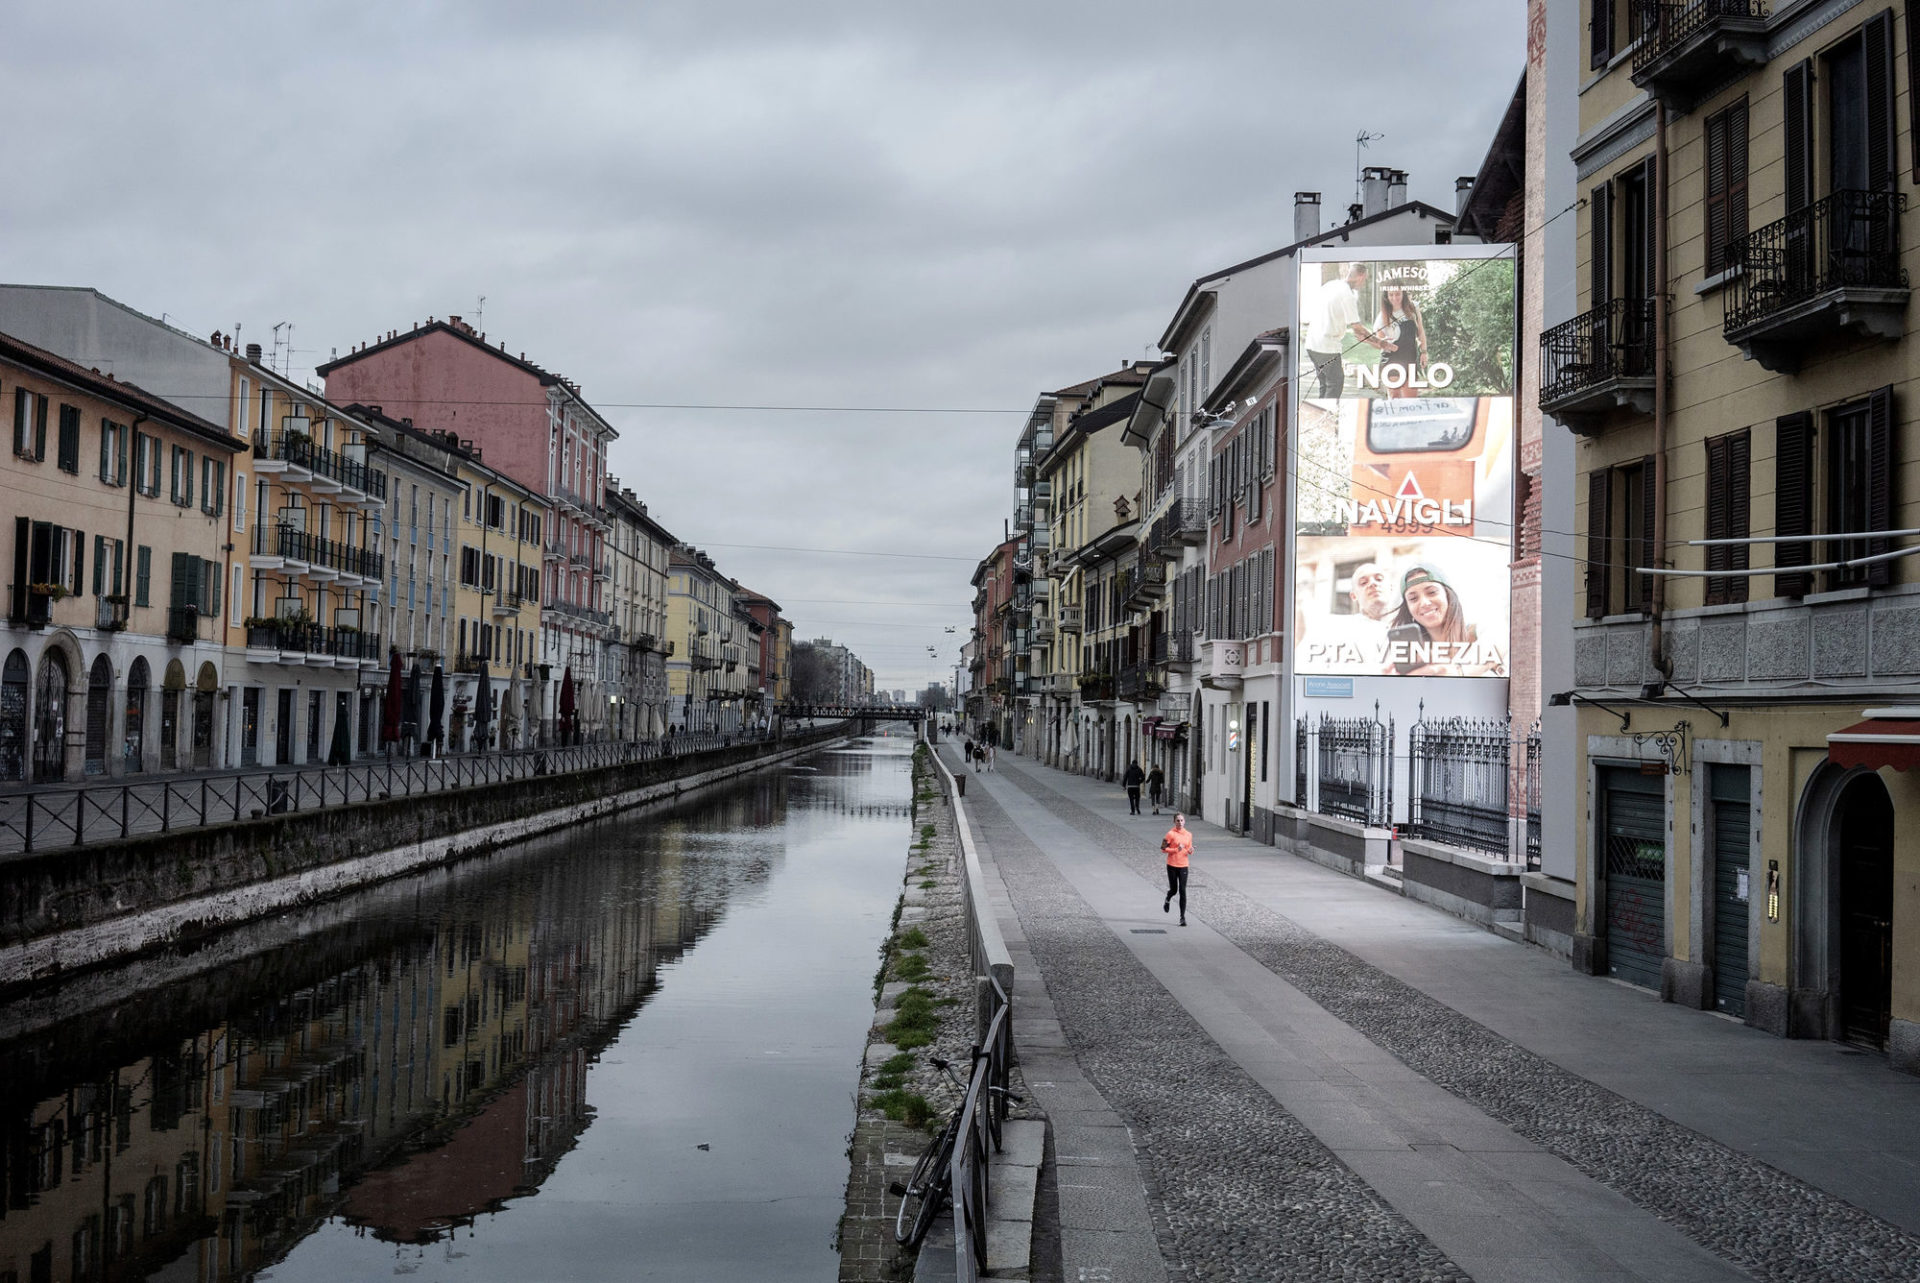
{"x": 1403, "y": 489}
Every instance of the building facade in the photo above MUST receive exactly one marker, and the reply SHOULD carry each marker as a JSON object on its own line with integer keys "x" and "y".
{"x": 641, "y": 547}
{"x": 117, "y": 552}
{"x": 1737, "y": 371}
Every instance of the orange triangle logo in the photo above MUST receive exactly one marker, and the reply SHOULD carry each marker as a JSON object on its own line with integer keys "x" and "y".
{"x": 1410, "y": 489}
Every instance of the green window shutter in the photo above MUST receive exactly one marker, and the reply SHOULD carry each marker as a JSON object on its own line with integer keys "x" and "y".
{"x": 106, "y": 453}
{"x": 143, "y": 575}
{"x": 39, "y": 428}
{"x": 99, "y": 565}
{"x": 22, "y": 541}
{"x": 119, "y": 568}
{"x": 79, "y": 562}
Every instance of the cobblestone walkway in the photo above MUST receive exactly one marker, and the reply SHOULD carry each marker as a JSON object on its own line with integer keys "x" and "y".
{"x": 1769, "y": 1224}
{"x": 1244, "y": 1191}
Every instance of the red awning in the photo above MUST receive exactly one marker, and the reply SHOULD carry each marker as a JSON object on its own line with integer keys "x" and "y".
{"x": 1877, "y": 742}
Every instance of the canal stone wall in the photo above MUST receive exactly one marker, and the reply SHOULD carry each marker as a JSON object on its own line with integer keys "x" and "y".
{"x": 61, "y": 910}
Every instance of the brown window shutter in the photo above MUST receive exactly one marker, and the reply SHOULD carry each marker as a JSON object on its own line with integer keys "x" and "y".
{"x": 1878, "y": 33}
{"x": 1792, "y": 500}
{"x": 1715, "y": 208}
{"x": 1796, "y": 93}
{"x": 1913, "y": 82}
{"x": 1650, "y": 187}
{"x": 1650, "y": 553}
{"x": 1880, "y": 466}
{"x": 1601, "y": 264}
{"x": 1717, "y": 501}
{"x": 1736, "y": 177}
{"x": 1599, "y": 510}
{"x": 1739, "y": 507}
{"x": 1602, "y": 30}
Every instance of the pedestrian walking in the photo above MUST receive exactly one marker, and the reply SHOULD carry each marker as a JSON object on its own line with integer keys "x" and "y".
{"x": 1178, "y": 846}
{"x": 1156, "y": 782}
{"x": 1131, "y": 781}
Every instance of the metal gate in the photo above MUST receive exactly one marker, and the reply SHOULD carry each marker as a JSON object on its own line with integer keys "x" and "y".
{"x": 1732, "y": 886}
{"x": 50, "y": 718}
{"x": 13, "y": 718}
{"x": 1636, "y": 870}
{"x": 99, "y": 708}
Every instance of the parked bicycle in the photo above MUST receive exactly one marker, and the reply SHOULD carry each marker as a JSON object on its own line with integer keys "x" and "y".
{"x": 928, "y": 1189}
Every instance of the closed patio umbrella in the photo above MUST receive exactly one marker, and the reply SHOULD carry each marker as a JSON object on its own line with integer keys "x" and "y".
{"x": 340, "y": 752}
{"x": 410, "y": 706}
{"x": 437, "y": 706}
{"x": 390, "y": 714}
{"x": 482, "y": 712}
{"x": 566, "y": 705}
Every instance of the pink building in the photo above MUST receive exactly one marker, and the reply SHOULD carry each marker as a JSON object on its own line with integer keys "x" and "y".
{"x": 534, "y": 426}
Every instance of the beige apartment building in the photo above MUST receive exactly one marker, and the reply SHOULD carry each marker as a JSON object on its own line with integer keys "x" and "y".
{"x": 1741, "y": 377}
{"x": 117, "y": 551}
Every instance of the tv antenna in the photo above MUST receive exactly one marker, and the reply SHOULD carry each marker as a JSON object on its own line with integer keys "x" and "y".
{"x": 480, "y": 315}
{"x": 278, "y": 340}
{"x": 1360, "y": 140}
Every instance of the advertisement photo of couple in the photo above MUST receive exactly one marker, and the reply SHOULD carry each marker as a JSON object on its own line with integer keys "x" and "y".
{"x": 1405, "y": 328}
{"x": 1402, "y": 619}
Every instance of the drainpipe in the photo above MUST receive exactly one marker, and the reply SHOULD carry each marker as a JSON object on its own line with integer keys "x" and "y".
{"x": 1656, "y": 647}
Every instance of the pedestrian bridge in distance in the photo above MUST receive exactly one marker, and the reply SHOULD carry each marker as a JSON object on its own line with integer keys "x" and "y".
{"x": 870, "y": 712}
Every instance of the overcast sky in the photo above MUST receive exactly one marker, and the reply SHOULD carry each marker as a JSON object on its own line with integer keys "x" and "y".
{"x": 767, "y": 203}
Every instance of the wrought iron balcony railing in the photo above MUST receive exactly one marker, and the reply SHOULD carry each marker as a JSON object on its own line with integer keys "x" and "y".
{"x": 301, "y": 451}
{"x": 317, "y": 550}
{"x": 1832, "y": 266}
{"x": 1600, "y": 360}
{"x": 1685, "y": 46}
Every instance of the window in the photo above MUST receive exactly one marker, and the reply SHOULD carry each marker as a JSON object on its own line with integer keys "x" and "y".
{"x": 213, "y": 486}
{"x": 69, "y": 457}
{"x": 1728, "y": 463}
{"x": 240, "y": 501}
{"x": 29, "y": 425}
{"x": 1726, "y": 205}
{"x": 1620, "y": 506}
{"x": 1601, "y": 31}
{"x": 182, "y": 490}
{"x": 143, "y": 576}
{"x": 237, "y": 596}
{"x": 113, "y": 452}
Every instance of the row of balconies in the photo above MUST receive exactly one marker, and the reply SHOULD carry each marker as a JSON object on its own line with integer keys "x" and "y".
{"x": 1829, "y": 269}
{"x": 1184, "y": 522}
{"x": 297, "y": 450}
{"x": 289, "y": 637}
{"x": 311, "y": 551}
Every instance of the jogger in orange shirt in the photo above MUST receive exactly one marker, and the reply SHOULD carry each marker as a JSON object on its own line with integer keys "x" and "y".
{"x": 1178, "y": 846}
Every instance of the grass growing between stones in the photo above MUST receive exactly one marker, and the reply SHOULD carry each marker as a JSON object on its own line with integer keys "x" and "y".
{"x": 915, "y": 1020}
{"x": 911, "y": 968}
{"x": 903, "y": 1106}
{"x": 912, "y": 938}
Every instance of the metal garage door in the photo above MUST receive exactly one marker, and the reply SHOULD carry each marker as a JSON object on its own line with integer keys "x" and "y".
{"x": 1732, "y": 886}
{"x": 1636, "y": 869}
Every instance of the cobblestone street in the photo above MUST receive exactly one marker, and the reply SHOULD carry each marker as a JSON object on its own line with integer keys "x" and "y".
{"x": 1318, "y": 1079}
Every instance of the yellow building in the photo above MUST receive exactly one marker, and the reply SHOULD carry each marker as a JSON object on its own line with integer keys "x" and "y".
{"x": 1746, "y": 839}
{"x": 306, "y": 576}
{"x": 702, "y": 693}
{"x": 116, "y": 546}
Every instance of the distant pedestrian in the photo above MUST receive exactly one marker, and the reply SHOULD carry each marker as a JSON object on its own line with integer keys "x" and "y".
{"x": 1131, "y": 781}
{"x": 1178, "y": 846}
{"x": 1156, "y": 782}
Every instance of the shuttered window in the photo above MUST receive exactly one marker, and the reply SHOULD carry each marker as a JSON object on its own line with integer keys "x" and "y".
{"x": 1796, "y": 97}
{"x": 1792, "y": 500}
{"x": 1726, "y": 204}
{"x": 1601, "y": 30}
{"x": 69, "y": 458}
{"x": 1728, "y": 467}
{"x": 1878, "y": 35}
{"x": 1600, "y": 262}
{"x": 1599, "y": 536}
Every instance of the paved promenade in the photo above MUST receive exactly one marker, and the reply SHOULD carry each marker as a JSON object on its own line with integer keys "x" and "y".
{"x": 1317, "y": 1079}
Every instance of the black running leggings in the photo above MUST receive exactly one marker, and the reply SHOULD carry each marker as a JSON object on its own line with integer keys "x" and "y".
{"x": 1177, "y": 885}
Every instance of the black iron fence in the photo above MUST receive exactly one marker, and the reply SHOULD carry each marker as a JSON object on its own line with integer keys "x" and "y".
{"x": 1460, "y": 768}
{"x": 1848, "y": 239}
{"x": 1300, "y": 762}
{"x": 1532, "y": 789}
{"x": 1613, "y": 341}
{"x": 1356, "y": 767}
{"x": 46, "y": 819}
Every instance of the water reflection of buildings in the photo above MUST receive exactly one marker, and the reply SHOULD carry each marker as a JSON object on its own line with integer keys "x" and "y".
{"x": 407, "y": 1087}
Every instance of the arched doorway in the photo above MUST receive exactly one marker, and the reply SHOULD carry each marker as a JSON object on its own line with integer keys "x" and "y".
{"x": 99, "y": 714}
{"x": 13, "y": 717}
{"x": 136, "y": 732}
{"x": 173, "y": 688}
{"x": 1863, "y": 857}
{"x": 204, "y": 687}
{"x": 50, "y": 716}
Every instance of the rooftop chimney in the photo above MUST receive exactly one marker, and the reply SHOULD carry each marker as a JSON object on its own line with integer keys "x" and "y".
{"x": 1306, "y": 215}
{"x": 1462, "y": 188}
{"x": 1373, "y": 190}
{"x": 1396, "y": 188}
{"x": 253, "y": 353}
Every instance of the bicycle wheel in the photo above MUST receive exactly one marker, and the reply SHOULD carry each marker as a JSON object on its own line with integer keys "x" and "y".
{"x": 925, "y": 1189}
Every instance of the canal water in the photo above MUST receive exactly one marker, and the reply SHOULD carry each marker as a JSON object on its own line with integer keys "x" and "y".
{"x": 628, "y": 1051}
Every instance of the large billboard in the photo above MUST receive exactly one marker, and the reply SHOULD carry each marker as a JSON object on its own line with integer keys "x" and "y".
{"x": 1403, "y": 489}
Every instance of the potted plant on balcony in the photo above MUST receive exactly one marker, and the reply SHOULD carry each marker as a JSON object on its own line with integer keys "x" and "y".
{"x": 53, "y": 592}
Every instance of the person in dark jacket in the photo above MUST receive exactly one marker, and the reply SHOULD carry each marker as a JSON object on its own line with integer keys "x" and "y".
{"x": 1156, "y": 785}
{"x": 1133, "y": 779}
